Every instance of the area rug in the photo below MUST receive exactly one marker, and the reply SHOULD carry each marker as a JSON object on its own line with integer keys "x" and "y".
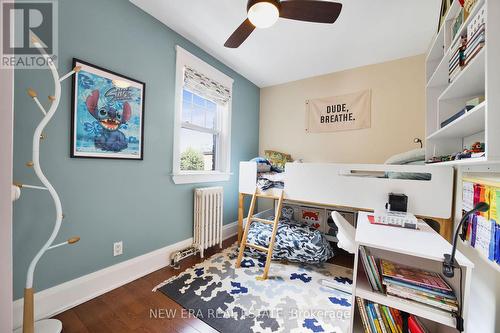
{"x": 293, "y": 299}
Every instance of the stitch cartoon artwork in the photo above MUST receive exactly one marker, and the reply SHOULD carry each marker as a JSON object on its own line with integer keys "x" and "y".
{"x": 110, "y": 138}
{"x": 107, "y": 114}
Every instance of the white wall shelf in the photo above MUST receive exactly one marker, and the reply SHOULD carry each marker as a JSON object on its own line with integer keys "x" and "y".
{"x": 470, "y": 81}
{"x": 440, "y": 76}
{"x": 470, "y": 123}
{"x": 480, "y": 77}
{"x": 467, "y": 161}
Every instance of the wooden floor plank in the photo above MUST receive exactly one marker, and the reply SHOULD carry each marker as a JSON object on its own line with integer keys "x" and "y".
{"x": 131, "y": 307}
{"x": 72, "y": 321}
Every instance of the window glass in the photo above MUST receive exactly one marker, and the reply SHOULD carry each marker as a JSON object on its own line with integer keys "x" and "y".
{"x": 197, "y": 150}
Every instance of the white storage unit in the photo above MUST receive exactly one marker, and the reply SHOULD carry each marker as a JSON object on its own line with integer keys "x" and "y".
{"x": 480, "y": 77}
{"x": 404, "y": 246}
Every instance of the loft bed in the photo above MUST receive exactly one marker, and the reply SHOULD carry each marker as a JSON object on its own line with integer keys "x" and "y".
{"x": 360, "y": 187}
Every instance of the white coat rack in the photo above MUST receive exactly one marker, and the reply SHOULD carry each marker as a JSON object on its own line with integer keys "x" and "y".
{"x": 46, "y": 325}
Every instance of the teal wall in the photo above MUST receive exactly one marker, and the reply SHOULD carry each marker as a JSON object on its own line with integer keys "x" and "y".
{"x": 110, "y": 200}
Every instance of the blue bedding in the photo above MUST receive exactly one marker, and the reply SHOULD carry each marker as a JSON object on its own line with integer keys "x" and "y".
{"x": 295, "y": 241}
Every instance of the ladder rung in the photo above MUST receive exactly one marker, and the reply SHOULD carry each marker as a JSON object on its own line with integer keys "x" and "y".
{"x": 258, "y": 247}
{"x": 267, "y": 196}
{"x": 256, "y": 219}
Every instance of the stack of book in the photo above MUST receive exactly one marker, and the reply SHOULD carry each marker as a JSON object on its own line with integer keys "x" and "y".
{"x": 457, "y": 59}
{"x": 371, "y": 269}
{"x": 483, "y": 229}
{"x": 475, "y": 44}
{"x": 378, "y": 318}
{"x": 418, "y": 285}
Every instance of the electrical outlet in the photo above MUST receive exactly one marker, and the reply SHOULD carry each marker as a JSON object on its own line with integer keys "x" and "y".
{"x": 117, "y": 248}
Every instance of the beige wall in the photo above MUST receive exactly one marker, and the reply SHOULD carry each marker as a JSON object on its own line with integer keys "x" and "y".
{"x": 398, "y": 114}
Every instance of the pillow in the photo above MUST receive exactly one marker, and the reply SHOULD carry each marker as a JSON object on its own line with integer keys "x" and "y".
{"x": 263, "y": 165}
{"x": 287, "y": 213}
{"x": 278, "y": 159}
{"x": 410, "y": 175}
{"x": 407, "y": 157}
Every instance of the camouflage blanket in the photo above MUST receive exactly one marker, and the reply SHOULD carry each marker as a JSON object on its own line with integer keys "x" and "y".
{"x": 293, "y": 299}
{"x": 295, "y": 241}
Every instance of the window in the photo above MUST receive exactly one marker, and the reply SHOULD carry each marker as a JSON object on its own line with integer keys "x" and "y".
{"x": 202, "y": 122}
{"x": 200, "y": 133}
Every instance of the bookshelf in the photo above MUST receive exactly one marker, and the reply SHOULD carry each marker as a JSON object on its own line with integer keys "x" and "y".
{"x": 423, "y": 248}
{"x": 494, "y": 183}
{"x": 480, "y": 77}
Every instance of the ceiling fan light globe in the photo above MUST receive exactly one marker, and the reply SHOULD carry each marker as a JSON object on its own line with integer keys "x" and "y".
{"x": 263, "y": 14}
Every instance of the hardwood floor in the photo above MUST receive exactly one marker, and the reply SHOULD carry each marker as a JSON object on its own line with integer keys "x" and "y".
{"x": 128, "y": 308}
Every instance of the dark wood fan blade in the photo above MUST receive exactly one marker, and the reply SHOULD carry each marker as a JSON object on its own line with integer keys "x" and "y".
{"x": 311, "y": 10}
{"x": 240, "y": 34}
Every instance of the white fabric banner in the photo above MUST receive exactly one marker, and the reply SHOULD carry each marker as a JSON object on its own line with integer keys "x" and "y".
{"x": 339, "y": 113}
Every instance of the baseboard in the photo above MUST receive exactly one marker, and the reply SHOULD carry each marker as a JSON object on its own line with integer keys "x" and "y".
{"x": 62, "y": 297}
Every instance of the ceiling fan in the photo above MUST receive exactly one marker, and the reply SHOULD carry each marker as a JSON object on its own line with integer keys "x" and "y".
{"x": 264, "y": 13}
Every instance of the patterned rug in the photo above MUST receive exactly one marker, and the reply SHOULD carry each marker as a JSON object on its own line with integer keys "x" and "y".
{"x": 293, "y": 299}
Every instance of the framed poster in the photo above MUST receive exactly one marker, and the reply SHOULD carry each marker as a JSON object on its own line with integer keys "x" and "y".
{"x": 107, "y": 118}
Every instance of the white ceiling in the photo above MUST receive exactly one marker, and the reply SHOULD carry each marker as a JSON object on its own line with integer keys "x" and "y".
{"x": 367, "y": 32}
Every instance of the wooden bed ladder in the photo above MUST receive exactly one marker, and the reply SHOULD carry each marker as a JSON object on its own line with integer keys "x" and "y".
{"x": 250, "y": 220}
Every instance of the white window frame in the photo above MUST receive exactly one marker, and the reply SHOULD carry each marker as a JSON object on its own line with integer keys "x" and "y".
{"x": 223, "y": 158}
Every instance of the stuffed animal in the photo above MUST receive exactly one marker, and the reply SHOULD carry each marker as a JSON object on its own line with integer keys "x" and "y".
{"x": 110, "y": 119}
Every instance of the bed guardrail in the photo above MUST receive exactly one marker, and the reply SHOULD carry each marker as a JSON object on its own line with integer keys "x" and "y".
{"x": 363, "y": 186}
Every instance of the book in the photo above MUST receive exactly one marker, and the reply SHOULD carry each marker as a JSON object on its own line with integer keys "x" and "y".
{"x": 481, "y": 29}
{"x": 363, "y": 314}
{"x": 405, "y": 287}
{"x": 397, "y": 319}
{"x": 414, "y": 275}
{"x": 367, "y": 268}
{"x": 378, "y": 280}
{"x": 370, "y": 318}
{"x": 467, "y": 196}
{"x": 440, "y": 303}
{"x": 380, "y": 318}
{"x": 474, "y": 45}
{"x": 374, "y": 318}
{"x": 455, "y": 116}
{"x": 483, "y": 229}
{"x": 471, "y": 57}
{"x": 473, "y": 230}
{"x": 430, "y": 291}
{"x": 388, "y": 319}
{"x": 413, "y": 326}
{"x": 497, "y": 242}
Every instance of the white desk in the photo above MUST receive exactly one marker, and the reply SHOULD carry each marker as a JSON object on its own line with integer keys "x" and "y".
{"x": 423, "y": 248}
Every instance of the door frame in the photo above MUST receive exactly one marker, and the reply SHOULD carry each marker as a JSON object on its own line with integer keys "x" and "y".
{"x": 6, "y": 152}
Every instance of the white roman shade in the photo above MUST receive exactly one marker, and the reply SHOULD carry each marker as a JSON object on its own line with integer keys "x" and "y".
{"x": 205, "y": 86}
